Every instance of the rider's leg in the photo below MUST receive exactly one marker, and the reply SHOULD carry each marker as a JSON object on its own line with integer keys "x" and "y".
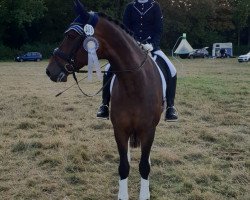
{"x": 170, "y": 74}
{"x": 103, "y": 111}
{"x": 171, "y": 113}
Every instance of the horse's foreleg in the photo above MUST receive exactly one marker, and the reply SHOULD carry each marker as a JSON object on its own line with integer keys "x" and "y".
{"x": 129, "y": 154}
{"x": 122, "y": 144}
{"x": 144, "y": 169}
{"x": 123, "y": 172}
{"x": 144, "y": 166}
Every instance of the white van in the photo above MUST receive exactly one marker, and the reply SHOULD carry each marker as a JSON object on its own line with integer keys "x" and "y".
{"x": 218, "y": 46}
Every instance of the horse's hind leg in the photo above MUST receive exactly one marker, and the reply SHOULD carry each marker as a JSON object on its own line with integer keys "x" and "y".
{"x": 122, "y": 144}
{"x": 144, "y": 166}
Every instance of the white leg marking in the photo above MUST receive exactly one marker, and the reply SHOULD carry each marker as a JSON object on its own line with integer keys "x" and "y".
{"x": 129, "y": 155}
{"x": 123, "y": 189}
{"x": 144, "y": 191}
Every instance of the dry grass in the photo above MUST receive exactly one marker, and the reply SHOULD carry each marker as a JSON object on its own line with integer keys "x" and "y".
{"x": 55, "y": 148}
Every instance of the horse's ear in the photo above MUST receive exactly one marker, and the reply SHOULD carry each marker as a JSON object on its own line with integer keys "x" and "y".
{"x": 80, "y": 10}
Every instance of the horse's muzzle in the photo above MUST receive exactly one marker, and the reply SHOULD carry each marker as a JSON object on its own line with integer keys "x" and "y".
{"x": 62, "y": 77}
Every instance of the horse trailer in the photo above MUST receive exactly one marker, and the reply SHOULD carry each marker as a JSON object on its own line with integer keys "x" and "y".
{"x": 228, "y": 47}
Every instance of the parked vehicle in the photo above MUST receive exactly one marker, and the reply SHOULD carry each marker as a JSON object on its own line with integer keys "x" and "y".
{"x": 199, "y": 53}
{"x": 244, "y": 58}
{"x": 219, "y": 48}
{"x": 29, "y": 56}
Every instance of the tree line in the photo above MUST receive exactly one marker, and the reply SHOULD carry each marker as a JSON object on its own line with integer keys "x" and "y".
{"x": 39, "y": 24}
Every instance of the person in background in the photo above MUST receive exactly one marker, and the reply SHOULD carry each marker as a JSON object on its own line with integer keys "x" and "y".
{"x": 144, "y": 18}
{"x": 223, "y": 53}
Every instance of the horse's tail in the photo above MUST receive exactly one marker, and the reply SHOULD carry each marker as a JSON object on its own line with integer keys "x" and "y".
{"x": 134, "y": 141}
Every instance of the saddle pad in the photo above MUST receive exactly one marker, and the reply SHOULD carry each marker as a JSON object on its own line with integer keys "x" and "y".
{"x": 163, "y": 81}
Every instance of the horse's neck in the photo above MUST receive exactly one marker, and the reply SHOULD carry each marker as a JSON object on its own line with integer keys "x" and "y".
{"x": 123, "y": 52}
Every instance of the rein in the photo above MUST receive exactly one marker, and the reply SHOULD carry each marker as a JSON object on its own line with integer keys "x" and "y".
{"x": 136, "y": 69}
{"x": 77, "y": 83}
{"x": 112, "y": 71}
{"x": 121, "y": 71}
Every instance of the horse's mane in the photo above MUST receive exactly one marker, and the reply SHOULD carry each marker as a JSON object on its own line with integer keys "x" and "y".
{"x": 122, "y": 26}
{"x": 117, "y": 22}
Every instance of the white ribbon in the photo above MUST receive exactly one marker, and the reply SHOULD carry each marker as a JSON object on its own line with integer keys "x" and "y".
{"x": 91, "y": 45}
{"x": 93, "y": 62}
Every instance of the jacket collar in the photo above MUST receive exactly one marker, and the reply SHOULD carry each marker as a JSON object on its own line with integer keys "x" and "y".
{"x": 149, "y": 2}
{"x": 142, "y": 1}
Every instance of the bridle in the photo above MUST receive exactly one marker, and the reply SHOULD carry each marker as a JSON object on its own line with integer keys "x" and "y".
{"x": 70, "y": 67}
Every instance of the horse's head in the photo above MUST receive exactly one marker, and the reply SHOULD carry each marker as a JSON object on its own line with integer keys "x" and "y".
{"x": 72, "y": 55}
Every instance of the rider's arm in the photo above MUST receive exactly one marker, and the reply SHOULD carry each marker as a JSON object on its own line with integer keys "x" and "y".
{"x": 158, "y": 26}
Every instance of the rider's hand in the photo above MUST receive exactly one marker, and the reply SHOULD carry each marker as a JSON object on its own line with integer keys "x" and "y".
{"x": 147, "y": 47}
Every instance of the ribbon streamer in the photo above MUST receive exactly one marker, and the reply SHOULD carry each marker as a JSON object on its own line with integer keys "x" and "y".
{"x": 93, "y": 62}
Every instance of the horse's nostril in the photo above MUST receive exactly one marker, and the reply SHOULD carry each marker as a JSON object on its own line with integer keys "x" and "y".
{"x": 47, "y": 72}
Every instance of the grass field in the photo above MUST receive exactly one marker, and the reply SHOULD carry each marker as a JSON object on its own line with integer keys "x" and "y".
{"x": 55, "y": 148}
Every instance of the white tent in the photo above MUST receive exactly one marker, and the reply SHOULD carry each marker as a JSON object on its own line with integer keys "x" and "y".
{"x": 184, "y": 47}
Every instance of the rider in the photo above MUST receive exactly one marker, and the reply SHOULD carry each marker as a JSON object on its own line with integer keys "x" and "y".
{"x": 145, "y": 20}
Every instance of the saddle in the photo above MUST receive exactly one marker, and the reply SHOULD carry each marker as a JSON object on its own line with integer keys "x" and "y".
{"x": 162, "y": 68}
{"x": 163, "y": 71}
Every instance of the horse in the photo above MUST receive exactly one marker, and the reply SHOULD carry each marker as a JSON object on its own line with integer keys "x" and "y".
{"x": 137, "y": 96}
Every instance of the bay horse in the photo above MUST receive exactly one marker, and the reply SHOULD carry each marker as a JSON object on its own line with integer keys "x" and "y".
{"x": 137, "y": 96}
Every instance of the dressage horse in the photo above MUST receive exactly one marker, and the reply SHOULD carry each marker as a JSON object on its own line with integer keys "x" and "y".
{"x": 137, "y": 97}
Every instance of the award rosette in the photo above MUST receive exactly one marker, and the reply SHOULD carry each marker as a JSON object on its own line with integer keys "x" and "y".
{"x": 91, "y": 45}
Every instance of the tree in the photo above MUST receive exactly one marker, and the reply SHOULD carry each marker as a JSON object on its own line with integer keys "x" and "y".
{"x": 15, "y": 15}
{"x": 191, "y": 17}
{"x": 204, "y": 21}
{"x": 241, "y": 16}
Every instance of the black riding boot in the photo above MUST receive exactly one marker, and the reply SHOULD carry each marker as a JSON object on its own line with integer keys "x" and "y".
{"x": 103, "y": 111}
{"x": 171, "y": 113}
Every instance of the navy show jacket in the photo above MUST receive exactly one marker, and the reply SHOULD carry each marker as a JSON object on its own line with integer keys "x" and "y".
{"x": 145, "y": 20}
